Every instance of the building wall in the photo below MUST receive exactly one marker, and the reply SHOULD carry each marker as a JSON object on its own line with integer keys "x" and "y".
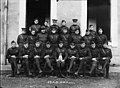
{"x": 13, "y": 20}
{"x": 74, "y": 9}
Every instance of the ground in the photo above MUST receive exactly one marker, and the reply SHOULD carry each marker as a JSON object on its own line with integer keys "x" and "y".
{"x": 51, "y": 82}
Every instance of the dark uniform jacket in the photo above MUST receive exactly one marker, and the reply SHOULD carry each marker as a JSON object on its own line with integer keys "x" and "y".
{"x": 47, "y": 28}
{"x": 76, "y": 38}
{"x": 105, "y": 52}
{"x": 95, "y": 53}
{"x": 93, "y": 33}
{"x": 26, "y": 51}
{"x": 32, "y": 39}
{"x": 42, "y": 37}
{"x": 88, "y": 39}
{"x": 21, "y": 39}
{"x": 63, "y": 51}
{"x": 56, "y": 27}
{"x": 12, "y": 51}
{"x": 49, "y": 51}
{"x": 101, "y": 39}
{"x": 53, "y": 38}
{"x": 84, "y": 53}
{"x": 72, "y": 52}
{"x": 73, "y": 28}
{"x": 35, "y": 27}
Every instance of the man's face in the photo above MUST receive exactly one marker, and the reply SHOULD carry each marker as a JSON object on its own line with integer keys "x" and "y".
{"x": 43, "y": 30}
{"x": 37, "y": 44}
{"x": 61, "y": 45}
{"x": 72, "y": 46}
{"x": 88, "y": 32}
{"x": 93, "y": 45}
{"x": 63, "y": 23}
{"x": 55, "y": 23}
{"x": 105, "y": 45}
{"x": 48, "y": 45}
{"x": 53, "y": 31}
{"x": 13, "y": 45}
{"x": 100, "y": 31}
{"x": 26, "y": 45}
{"x": 23, "y": 32}
{"x": 33, "y": 32}
{"x": 64, "y": 31}
{"x": 46, "y": 23}
{"x": 83, "y": 45}
{"x": 77, "y": 32}
{"x": 91, "y": 28}
{"x": 36, "y": 21}
{"x": 75, "y": 23}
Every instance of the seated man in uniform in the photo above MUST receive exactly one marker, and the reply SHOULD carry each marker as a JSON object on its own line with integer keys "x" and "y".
{"x": 48, "y": 55}
{"x": 38, "y": 56}
{"x": 12, "y": 56}
{"x": 60, "y": 56}
{"x": 25, "y": 56}
{"x": 105, "y": 58}
{"x": 84, "y": 56}
{"x": 95, "y": 57}
{"x": 72, "y": 56}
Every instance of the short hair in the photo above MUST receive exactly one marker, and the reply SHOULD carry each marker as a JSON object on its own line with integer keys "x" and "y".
{"x": 36, "y": 19}
{"x": 91, "y": 25}
{"x": 63, "y": 21}
{"x": 13, "y": 42}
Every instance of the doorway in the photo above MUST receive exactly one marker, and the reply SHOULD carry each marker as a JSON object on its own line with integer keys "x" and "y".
{"x": 99, "y": 11}
{"x": 39, "y": 9}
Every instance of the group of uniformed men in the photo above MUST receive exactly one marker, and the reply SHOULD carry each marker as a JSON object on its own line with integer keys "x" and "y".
{"x": 59, "y": 51}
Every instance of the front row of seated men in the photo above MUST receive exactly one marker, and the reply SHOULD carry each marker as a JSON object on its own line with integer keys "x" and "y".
{"x": 60, "y": 61}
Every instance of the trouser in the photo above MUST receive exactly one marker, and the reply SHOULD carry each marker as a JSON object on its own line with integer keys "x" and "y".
{"x": 37, "y": 62}
{"x": 25, "y": 63}
{"x": 14, "y": 67}
{"x": 60, "y": 67}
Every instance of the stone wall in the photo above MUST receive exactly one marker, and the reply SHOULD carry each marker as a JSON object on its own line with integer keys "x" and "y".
{"x": 13, "y": 21}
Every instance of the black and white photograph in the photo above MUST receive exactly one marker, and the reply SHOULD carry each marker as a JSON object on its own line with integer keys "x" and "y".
{"x": 59, "y": 44}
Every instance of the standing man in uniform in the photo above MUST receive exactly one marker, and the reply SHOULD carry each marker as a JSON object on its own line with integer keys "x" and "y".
{"x": 32, "y": 39}
{"x": 88, "y": 38}
{"x": 101, "y": 38}
{"x": 54, "y": 36}
{"x": 22, "y": 38}
{"x": 75, "y": 26}
{"x": 92, "y": 31}
{"x": 36, "y": 27}
{"x": 55, "y": 26}
{"x": 46, "y": 26}
{"x": 12, "y": 56}
{"x": 43, "y": 35}
{"x": 76, "y": 38}
{"x": 64, "y": 34}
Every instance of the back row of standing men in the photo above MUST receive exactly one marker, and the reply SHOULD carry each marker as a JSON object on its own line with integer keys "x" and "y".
{"x": 57, "y": 44}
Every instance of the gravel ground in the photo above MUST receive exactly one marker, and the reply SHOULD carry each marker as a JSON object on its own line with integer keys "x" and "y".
{"x": 51, "y": 82}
